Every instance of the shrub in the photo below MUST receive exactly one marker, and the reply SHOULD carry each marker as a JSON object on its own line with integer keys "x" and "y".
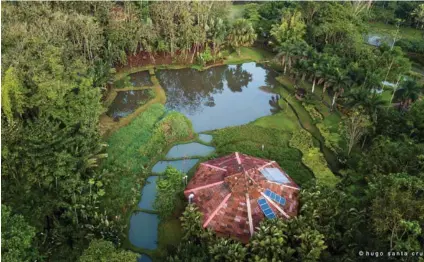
{"x": 332, "y": 139}
{"x": 313, "y": 112}
{"x": 168, "y": 186}
{"x": 172, "y": 128}
{"x": 313, "y": 158}
{"x": 205, "y": 56}
{"x": 411, "y": 45}
{"x": 123, "y": 82}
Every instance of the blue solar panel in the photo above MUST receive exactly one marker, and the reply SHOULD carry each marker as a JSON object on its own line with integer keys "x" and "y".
{"x": 261, "y": 201}
{"x": 277, "y": 198}
{"x": 265, "y": 208}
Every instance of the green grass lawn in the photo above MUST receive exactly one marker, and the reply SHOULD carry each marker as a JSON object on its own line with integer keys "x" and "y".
{"x": 285, "y": 121}
{"x": 387, "y": 96}
{"x": 248, "y": 139}
{"x": 387, "y": 29}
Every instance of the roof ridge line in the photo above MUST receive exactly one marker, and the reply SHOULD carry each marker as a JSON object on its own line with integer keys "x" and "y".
{"x": 249, "y": 214}
{"x": 216, "y": 210}
{"x": 212, "y": 166}
{"x": 275, "y": 205}
{"x": 203, "y": 187}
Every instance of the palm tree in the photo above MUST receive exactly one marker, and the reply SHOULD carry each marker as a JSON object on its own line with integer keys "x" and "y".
{"x": 285, "y": 52}
{"x": 241, "y": 34}
{"x": 339, "y": 81}
{"x": 314, "y": 71}
{"x": 300, "y": 70}
{"x": 410, "y": 92}
{"x": 370, "y": 102}
{"x": 289, "y": 52}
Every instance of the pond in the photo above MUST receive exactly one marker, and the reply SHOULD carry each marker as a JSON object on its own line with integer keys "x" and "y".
{"x": 205, "y": 138}
{"x": 148, "y": 194}
{"x": 189, "y": 150}
{"x": 182, "y": 165}
{"x": 127, "y": 102}
{"x": 144, "y": 258}
{"x": 143, "y": 232}
{"x": 221, "y": 96}
{"x": 141, "y": 78}
{"x": 377, "y": 40}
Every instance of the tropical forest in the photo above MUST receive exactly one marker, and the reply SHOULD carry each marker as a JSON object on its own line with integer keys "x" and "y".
{"x": 196, "y": 131}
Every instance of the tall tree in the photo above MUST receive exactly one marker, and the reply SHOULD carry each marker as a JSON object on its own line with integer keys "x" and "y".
{"x": 241, "y": 34}
{"x": 291, "y": 28}
{"x": 418, "y": 15}
{"x": 397, "y": 211}
{"x": 356, "y": 126}
{"x": 17, "y": 237}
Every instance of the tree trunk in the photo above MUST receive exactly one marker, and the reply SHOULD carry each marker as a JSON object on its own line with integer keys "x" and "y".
{"x": 313, "y": 85}
{"x": 334, "y": 101}
{"x": 192, "y": 56}
{"x": 323, "y": 90}
{"x": 363, "y": 142}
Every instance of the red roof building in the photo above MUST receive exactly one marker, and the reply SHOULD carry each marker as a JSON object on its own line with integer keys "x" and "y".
{"x": 236, "y": 192}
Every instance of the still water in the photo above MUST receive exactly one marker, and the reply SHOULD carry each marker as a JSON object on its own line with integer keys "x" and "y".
{"x": 221, "y": 96}
{"x": 127, "y": 102}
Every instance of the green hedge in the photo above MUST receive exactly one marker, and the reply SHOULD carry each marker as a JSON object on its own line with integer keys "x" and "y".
{"x": 313, "y": 158}
{"x": 332, "y": 139}
{"x": 248, "y": 139}
{"x": 313, "y": 112}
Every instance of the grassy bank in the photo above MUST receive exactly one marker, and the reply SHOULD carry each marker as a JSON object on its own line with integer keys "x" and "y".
{"x": 136, "y": 144}
{"x": 248, "y": 139}
{"x": 388, "y": 29}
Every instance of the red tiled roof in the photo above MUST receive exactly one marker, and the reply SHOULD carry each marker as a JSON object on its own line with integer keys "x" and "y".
{"x": 227, "y": 190}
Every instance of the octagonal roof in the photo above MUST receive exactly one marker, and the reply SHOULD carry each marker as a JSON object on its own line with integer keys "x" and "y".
{"x": 237, "y": 191}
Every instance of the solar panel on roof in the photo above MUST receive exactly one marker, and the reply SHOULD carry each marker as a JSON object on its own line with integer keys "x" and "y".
{"x": 275, "y": 175}
{"x": 277, "y": 198}
{"x": 266, "y": 209}
{"x": 261, "y": 201}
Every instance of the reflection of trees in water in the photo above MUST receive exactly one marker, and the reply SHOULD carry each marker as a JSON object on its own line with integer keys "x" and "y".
{"x": 189, "y": 90}
{"x": 237, "y": 78}
{"x": 270, "y": 77}
{"x": 273, "y": 102}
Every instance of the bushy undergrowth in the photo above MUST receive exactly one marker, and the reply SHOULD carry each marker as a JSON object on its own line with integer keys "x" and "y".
{"x": 123, "y": 82}
{"x": 132, "y": 148}
{"x": 332, "y": 139}
{"x": 172, "y": 128}
{"x": 168, "y": 186}
{"x": 313, "y": 158}
{"x": 313, "y": 112}
{"x": 248, "y": 139}
{"x": 125, "y": 144}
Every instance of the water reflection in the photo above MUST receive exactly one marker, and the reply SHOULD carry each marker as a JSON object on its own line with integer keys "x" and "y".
{"x": 273, "y": 102}
{"x": 237, "y": 77}
{"x": 127, "y": 102}
{"x": 141, "y": 78}
{"x": 220, "y": 96}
